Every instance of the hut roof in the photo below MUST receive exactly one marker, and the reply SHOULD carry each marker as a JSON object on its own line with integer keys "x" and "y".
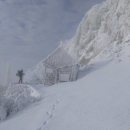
{"x": 59, "y": 58}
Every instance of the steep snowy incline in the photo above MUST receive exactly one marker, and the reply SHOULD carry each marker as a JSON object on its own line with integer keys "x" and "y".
{"x": 99, "y": 100}
{"x": 105, "y": 24}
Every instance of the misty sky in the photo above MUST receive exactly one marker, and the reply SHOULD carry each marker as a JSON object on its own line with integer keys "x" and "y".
{"x": 32, "y": 29}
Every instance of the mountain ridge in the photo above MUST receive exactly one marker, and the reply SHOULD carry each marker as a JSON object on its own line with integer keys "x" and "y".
{"x": 103, "y": 25}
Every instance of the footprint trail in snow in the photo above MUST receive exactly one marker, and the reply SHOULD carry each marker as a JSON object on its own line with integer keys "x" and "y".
{"x": 50, "y": 113}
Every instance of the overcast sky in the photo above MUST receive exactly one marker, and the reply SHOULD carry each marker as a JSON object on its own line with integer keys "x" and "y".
{"x": 32, "y": 29}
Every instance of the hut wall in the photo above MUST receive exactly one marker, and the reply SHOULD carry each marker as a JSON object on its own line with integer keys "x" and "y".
{"x": 74, "y": 74}
{"x": 49, "y": 79}
{"x": 49, "y": 76}
{"x": 52, "y": 76}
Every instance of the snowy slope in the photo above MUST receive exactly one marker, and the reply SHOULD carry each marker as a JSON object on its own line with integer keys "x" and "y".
{"x": 99, "y": 100}
{"x": 104, "y": 25}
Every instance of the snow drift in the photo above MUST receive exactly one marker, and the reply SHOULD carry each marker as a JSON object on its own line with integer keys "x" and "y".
{"x": 104, "y": 25}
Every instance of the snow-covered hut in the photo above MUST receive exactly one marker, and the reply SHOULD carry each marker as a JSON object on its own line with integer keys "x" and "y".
{"x": 59, "y": 67}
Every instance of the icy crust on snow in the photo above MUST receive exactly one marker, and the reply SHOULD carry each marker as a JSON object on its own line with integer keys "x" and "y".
{"x": 103, "y": 25}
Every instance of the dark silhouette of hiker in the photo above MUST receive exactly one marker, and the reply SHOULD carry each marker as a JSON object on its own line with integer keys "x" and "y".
{"x": 20, "y": 75}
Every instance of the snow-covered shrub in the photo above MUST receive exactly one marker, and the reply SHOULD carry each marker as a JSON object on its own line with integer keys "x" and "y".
{"x": 20, "y": 96}
{"x": 15, "y": 98}
{"x": 2, "y": 113}
{"x": 5, "y": 105}
{"x": 2, "y": 101}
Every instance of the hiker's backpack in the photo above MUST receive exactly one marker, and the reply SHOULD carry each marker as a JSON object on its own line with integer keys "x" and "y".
{"x": 18, "y": 73}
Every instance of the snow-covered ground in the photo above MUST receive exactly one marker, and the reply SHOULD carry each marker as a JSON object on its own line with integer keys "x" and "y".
{"x": 98, "y": 100}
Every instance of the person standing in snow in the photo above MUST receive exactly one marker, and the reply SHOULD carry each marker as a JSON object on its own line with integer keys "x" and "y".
{"x": 20, "y": 75}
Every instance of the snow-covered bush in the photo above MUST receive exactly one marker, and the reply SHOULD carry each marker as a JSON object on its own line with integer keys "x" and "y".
{"x": 16, "y": 98}
{"x": 5, "y": 107}
{"x": 2, "y": 101}
{"x": 20, "y": 96}
{"x": 2, "y": 113}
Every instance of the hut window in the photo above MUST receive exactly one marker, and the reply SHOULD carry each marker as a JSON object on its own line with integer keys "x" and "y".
{"x": 49, "y": 70}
